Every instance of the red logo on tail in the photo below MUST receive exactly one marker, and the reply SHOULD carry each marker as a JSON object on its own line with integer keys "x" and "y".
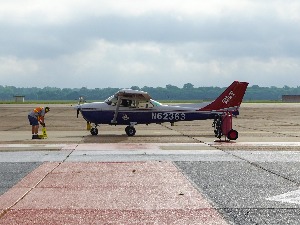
{"x": 227, "y": 98}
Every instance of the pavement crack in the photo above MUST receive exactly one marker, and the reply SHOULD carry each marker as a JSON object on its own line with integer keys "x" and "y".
{"x": 184, "y": 135}
{"x": 262, "y": 168}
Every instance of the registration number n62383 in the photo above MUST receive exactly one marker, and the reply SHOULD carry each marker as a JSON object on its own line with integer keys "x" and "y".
{"x": 168, "y": 116}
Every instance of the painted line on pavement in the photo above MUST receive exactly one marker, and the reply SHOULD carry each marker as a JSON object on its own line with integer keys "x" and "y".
{"x": 145, "y": 146}
{"x": 292, "y": 197}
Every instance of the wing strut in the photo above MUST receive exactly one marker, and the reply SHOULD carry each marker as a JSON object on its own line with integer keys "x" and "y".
{"x": 114, "y": 120}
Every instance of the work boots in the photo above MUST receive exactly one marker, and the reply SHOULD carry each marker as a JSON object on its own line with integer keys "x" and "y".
{"x": 35, "y": 136}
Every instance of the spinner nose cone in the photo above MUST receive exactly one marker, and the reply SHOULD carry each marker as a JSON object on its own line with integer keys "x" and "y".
{"x": 77, "y": 107}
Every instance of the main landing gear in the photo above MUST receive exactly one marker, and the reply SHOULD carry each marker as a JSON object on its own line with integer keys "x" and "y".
{"x": 130, "y": 130}
{"x": 223, "y": 127}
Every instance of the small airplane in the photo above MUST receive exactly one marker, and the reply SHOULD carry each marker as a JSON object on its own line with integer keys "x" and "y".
{"x": 131, "y": 107}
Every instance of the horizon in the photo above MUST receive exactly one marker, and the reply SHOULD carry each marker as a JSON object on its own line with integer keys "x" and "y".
{"x": 145, "y": 86}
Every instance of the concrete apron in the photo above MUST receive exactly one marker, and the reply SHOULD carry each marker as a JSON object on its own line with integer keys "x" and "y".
{"x": 106, "y": 193}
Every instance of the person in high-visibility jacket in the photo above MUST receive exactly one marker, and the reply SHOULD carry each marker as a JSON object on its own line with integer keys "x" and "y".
{"x": 35, "y": 117}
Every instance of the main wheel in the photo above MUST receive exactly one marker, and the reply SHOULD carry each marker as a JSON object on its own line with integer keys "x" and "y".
{"x": 232, "y": 135}
{"x": 130, "y": 131}
{"x": 94, "y": 131}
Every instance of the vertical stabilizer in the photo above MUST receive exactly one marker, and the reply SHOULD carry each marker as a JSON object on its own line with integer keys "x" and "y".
{"x": 230, "y": 99}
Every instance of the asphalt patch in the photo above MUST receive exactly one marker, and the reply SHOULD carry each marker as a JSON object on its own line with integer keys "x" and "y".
{"x": 12, "y": 173}
{"x": 240, "y": 190}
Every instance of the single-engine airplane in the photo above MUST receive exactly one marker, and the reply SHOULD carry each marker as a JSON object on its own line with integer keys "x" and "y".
{"x": 132, "y": 107}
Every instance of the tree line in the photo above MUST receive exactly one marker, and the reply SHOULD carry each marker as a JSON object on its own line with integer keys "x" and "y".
{"x": 170, "y": 92}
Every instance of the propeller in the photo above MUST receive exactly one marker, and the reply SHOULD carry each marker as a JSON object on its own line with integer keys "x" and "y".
{"x": 80, "y": 101}
{"x": 78, "y": 112}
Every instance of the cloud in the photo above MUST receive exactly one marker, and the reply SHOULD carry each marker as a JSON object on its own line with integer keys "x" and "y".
{"x": 15, "y": 66}
{"x": 149, "y": 43}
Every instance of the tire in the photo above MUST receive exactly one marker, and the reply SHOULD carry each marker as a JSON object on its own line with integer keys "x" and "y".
{"x": 232, "y": 135}
{"x": 94, "y": 131}
{"x": 130, "y": 131}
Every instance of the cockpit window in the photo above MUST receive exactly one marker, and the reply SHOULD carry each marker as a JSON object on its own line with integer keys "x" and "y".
{"x": 111, "y": 100}
{"x": 156, "y": 103}
{"x": 145, "y": 105}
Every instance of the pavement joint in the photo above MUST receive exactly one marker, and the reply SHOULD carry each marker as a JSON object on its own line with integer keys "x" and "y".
{"x": 143, "y": 146}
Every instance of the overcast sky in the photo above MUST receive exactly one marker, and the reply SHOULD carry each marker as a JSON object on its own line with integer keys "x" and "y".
{"x": 124, "y": 43}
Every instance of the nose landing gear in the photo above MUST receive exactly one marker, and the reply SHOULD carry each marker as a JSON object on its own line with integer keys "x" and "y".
{"x": 93, "y": 130}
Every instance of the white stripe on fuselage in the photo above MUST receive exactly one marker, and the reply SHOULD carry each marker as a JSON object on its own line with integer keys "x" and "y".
{"x": 101, "y": 106}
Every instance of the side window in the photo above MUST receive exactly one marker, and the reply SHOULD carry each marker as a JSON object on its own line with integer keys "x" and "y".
{"x": 126, "y": 103}
{"x": 145, "y": 105}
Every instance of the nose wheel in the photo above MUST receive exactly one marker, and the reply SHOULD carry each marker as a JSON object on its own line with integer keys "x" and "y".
{"x": 94, "y": 131}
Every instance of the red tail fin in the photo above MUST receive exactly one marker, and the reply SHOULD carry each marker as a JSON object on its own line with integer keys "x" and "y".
{"x": 230, "y": 99}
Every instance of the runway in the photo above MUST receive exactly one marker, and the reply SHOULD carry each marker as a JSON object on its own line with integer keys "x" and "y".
{"x": 163, "y": 175}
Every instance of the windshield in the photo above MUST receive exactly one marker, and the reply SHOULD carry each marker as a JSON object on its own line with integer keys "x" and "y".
{"x": 111, "y": 99}
{"x": 155, "y": 103}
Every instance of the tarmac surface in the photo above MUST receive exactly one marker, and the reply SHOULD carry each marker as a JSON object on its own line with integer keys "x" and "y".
{"x": 163, "y": 175}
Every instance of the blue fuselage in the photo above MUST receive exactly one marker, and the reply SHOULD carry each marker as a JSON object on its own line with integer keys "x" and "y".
{"x": 144, "y": 116}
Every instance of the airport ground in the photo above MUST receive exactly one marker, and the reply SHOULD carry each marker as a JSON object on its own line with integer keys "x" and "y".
{"x": 163, "y": 175}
